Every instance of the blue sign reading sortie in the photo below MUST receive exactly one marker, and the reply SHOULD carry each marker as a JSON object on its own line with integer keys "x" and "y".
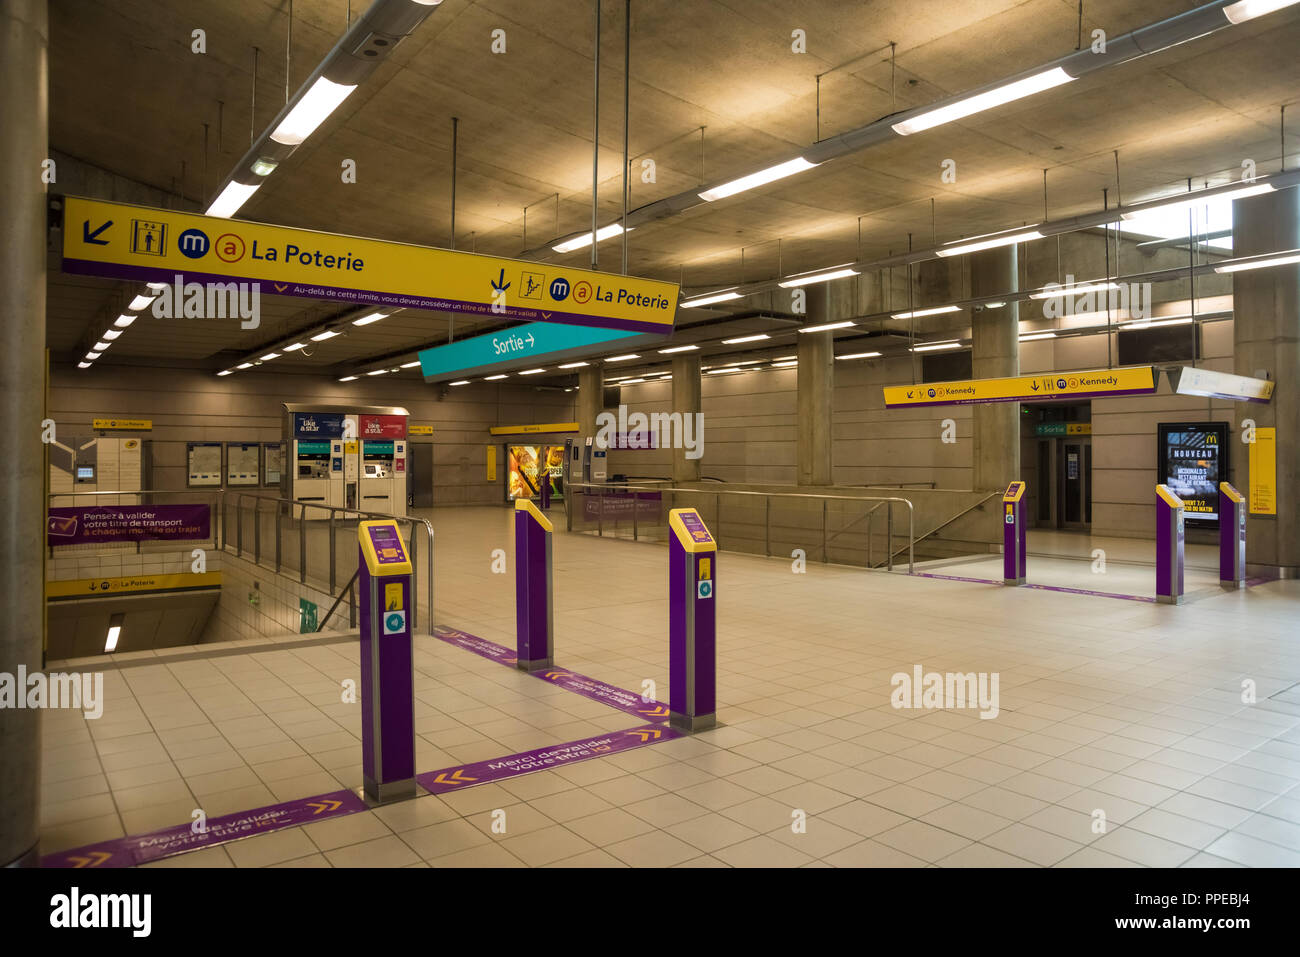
{"x": 530, "y": 341}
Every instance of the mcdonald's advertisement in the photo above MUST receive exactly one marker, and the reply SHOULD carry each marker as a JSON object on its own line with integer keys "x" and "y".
{"x": 1193, "y": 461}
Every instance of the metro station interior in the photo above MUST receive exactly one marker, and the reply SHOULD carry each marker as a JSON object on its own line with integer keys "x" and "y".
{"x": 649, "y": 434}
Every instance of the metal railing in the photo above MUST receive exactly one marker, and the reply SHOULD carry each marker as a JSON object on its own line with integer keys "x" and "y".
{"x": 600, "y": 491}
{"x": 268, "y": 515}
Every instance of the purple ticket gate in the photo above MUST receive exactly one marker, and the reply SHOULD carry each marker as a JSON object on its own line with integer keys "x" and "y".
{"x": 1014, "y": 522}
{"x": 1232, "y": 537}
{"x": 387, "y": 666}
{"x": 692, "y": 632}
{"x": 534, "y": 608}
{"x": 1170, "y": 537}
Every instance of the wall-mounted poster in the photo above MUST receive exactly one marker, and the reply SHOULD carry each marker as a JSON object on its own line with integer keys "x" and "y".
{"x": 272, "y": 462}
{"x": 204, "y": 464}
{"x": 243, "y": 463}
{"x": 1193, "y": 461}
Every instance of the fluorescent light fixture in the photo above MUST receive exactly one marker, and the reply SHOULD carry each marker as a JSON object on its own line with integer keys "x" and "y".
{"x": 140, "y": 301}
{"x": 1182, "y": 200}
{"x": 630, "y": 355}
{"x": 1245, "y": 10}
{"x": 157, "y": 286}
{"x": 738, "y": 341}
{"x": 100, "y": 346}
{"x": 938, "y": 347}
{"x": 264, "y": 167}
{"x": 580, "y": 242}
{"x": 1152, "y": 323}
{"x": 1034, "y": 337}
{"x": 574, "y": 365}
{"x": 918, "y": 313}
{"x": 493, "y": 378}
{"x": 819, "y": 277}
{"x": 678, "y": 349}
{"x": 748, "y": 362}
{"x": 860, "y": 355}
{"x": 322, "y": 336}
{"x": 826, "y": 326}
{"x": 780, "y": 171}
{"x": 295, "y": 347}
{"x": 983, "y": 101}
{"x": 269, "y": 356}
{"x": 111, "y": 334}
{"x": 123, "y": 321}
{"x": 720, "y": 371}
{"x": 785, "y": 365}
{"x": 977, "y": 243}
{"x": 1258, "y": 264}
{"x": 784, "y": 358}
{"x": 1077, "y": 289}
{"x": 710, "y": 300}
{"x": 348, "y": 378}
{"x": 994, "y": 305}
{"x": 244, "y": 365}
{"x": 427, "y": 3}
{"x": 232, "y": 197}
{"x": 409, "y": 365}
{"x": 631, "y": 381}
{"x": 92, "y": 356}
{"x": 532, "y": 371}
{"x": 459, "y": 382}
{"x": 114, "y": 632}
{"x": 226, "y": 372}
{"x": 83, "y": 365}
{"x": 376, "y": 372}
{"x": 310, "y": 112}
{"x": 367, "y": 320}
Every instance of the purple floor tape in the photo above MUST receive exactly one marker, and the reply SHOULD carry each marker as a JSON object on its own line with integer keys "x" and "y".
{"x": 168, "y": 842}
{"x": 626, "y": 701}
{"x": 1061, "y": 588}
{"x": 543, "y": 759}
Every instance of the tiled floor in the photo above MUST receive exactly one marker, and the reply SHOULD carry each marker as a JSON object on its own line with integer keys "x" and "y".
{"x": 1121, "y": 740}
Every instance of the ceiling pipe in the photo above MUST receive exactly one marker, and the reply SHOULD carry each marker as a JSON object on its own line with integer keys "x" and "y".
{"x": 1152, "y": 38}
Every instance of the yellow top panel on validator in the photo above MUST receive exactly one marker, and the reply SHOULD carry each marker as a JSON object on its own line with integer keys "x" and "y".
{"x": 1014, "y": 491}
{"x": 383, "y": 548}
{"x": 524, "y": 505}
{"x": 1169, "y": 498}
{"x": 691, "y": 531}
{"x": 1232, "y": 493}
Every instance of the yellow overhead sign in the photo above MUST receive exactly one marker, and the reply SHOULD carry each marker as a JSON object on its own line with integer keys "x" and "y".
{"x": 129, "y": 425}
{"x": 97, "y": 587}
{"x": 530, "y": 429}
{"x": 121, "y": 241}
{"x": 419, "y": 430}
{"x": 1139, "y": 380}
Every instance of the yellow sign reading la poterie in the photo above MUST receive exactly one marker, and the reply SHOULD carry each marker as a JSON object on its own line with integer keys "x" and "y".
{"x": 1139, "y": 380}
{"x": 130, "y": 425}
{"x": 136, "y": 242}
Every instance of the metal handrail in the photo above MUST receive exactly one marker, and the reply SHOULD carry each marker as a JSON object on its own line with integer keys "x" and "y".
{"x": 717, "y": 493}
{"x": 222, "y": 543}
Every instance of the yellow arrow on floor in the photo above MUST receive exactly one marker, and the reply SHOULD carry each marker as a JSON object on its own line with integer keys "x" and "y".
{"x": 454, "y": 778}
{"x": 94, "y": 860}
{"x": 646, "y": 734}
{"x": 326, "y": 805}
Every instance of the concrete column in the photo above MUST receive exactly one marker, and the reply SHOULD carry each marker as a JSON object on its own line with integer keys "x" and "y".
{"x": 995, "y": 353}
{"x": 591, "y": 399}
{"x": 1266, "y": 341}
{"x": 687, "y": 401}
{"x": 24, "y": 109}
{"x": 815, "y": 400}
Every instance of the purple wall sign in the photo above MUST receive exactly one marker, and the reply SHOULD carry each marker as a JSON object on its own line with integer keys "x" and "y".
{"x": 543, "y": 759}
{"x": 101, "y": 524}
{"x": 168, "y": 842}
{"x": 620, "y": 505}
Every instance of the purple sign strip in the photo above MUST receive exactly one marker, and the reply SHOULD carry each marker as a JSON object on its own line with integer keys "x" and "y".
{"x": 626, "y": 701}
{"x": 543, "y": 759}
{"x": 376, "y": 297}
{"x": 168, "y": 842}
{"x": 99, "y": 524}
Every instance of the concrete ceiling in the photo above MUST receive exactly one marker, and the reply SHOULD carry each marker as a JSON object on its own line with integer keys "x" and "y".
{"x": 129, "y": 96}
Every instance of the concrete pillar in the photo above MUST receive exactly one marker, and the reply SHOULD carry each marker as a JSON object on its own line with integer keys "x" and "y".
{"x": 24, "y": 109}
{"x": 687, "y": 401}
{"x": 591, "y": 399}
{"x": 1266, "y": 341}
{"x": 815, "y": 400}
{"x": 995, "y": 353}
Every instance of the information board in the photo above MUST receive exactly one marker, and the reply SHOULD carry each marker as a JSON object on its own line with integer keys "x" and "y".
{"x": 1193, "y": 460}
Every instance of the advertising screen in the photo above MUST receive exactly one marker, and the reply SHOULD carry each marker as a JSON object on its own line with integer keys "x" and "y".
{"x": 1193, "y": 461}
{"x": 529, "y": 465}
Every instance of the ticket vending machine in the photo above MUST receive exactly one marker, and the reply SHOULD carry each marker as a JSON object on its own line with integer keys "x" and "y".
{"x": 314, "y": 478}
{"x": 383, "y": 488}
{"x": 387, "y": 663}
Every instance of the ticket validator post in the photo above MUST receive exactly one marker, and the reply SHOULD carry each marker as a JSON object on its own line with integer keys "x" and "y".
{"x": 1170, "y": 538}
{"x": 1232, "y": 537}
{"x": 692, "y": 631}
{"x": 534, "y": 589}
{"x": 1014, "y": 522}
